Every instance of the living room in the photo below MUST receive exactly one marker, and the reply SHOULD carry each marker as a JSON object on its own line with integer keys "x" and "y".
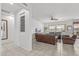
{"x": 59, "y": 26}
{"x": 40, "y": 29}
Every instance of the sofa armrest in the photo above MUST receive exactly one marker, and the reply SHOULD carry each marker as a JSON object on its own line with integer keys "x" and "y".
{"x": 69, "y": 38}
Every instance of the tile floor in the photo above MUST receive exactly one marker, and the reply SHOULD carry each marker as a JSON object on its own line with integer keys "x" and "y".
{"x": 40, "y": 49}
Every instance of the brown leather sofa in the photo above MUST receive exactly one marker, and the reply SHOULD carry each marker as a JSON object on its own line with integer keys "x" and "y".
{"x": 45, "y": 38}
{"x": 69, "y": 40}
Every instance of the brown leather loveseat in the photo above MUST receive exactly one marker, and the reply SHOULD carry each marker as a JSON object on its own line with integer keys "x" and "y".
{"x": 69, "y": 40}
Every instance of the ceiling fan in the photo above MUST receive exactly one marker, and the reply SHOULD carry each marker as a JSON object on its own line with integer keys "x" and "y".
{"x": 52, "y": 18}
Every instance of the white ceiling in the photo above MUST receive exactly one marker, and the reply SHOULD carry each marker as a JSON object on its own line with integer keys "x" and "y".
{"x": 43, "y": 11}
{"x": 12, "y": 8}
{"x": 58, "y": 10}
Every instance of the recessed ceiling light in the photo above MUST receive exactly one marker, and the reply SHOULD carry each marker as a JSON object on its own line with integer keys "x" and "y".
{"x": 11, "y": 3}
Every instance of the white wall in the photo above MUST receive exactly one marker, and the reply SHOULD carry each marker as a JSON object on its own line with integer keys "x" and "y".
{"x": 0, "y": 29}
{"x": 23, "y": 39}
{"x": 37, "y": 24}
{"x": 10, "y": 21}
{"x": 0, "y": 25}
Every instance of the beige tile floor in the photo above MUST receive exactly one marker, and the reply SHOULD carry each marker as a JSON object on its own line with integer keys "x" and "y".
{"x": 40, "y": 49}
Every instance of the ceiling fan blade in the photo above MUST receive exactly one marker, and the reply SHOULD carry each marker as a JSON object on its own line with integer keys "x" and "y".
{"x": 54, "y": 19}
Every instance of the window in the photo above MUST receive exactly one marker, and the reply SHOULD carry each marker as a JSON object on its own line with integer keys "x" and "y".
{"x": 22, "y": 23}
{"x": 52, "y": 27}
{"x": 76, "y": 25}
{"x": 76, "y": 28}
{"x": 60, "y": 28}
